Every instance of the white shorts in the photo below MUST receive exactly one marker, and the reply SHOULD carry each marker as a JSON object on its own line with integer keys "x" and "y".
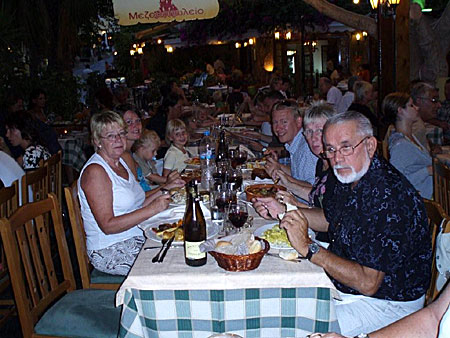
{"x": 360, "y": 314}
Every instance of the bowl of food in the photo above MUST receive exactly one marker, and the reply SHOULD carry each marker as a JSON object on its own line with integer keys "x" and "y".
{"x": 243, "y": 262}
{"x": 262, "y": 190}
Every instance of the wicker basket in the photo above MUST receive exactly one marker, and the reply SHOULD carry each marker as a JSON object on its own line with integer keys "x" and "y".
{"x": 241, "y": 263}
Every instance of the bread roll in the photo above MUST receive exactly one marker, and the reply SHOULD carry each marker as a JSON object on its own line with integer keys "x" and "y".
{"x": 221, "y": 244}
{"x": 255, "y": 247}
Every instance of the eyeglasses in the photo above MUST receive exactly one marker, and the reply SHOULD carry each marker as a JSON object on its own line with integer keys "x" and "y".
{"x": 112, "y": 137}
{"x": 311, "y": 132}
{"x": 344, "y": 151}
{"x": 433, "y": 100}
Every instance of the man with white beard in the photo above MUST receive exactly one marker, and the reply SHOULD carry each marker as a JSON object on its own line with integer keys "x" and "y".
{"x": 379, "y": 257}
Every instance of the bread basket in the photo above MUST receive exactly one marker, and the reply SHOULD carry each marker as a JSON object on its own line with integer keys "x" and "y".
{"x": 241, "y": 262}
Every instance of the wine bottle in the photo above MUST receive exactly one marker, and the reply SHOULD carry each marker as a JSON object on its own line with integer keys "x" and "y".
{"x": 194, "y": 229}
{"x": 222, "y": 148}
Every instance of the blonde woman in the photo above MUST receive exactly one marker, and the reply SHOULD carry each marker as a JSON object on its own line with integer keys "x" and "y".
{"x": 112, "y": 201}
{"x": 176, "y": 156}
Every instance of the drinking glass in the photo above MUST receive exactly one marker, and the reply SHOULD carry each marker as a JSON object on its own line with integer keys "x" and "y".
{"x": 237, "y": 157}
{"x": 237, "y": 214}
{"x": 234, "y": 178}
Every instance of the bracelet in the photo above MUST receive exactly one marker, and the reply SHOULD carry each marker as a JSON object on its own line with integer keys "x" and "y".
{"x": 362, "y": 335}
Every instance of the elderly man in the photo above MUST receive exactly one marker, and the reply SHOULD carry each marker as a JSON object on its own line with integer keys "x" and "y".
{"x": 363, "y": 95}
{"x": 428, "y": 127}
{"x": 332, "y": 94}
{"x": 379, "y": 257}
{"x": 287, "y": 126}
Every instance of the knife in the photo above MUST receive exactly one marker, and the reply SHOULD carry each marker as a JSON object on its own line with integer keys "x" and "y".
{"x": 167, "y": 249}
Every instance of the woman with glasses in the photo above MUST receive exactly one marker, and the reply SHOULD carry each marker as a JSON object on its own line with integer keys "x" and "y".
{"x": 407, "y": 153}
{"x": 112, "y": 201}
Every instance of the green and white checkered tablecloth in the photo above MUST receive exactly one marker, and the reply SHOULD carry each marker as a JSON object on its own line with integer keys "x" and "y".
{"x": 271, "y": 312}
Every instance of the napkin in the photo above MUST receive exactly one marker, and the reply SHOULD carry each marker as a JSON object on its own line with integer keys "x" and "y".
{"x": 172, "y": 214}
{"x": 248, "y": 151}
{"x": 239, "y": 243}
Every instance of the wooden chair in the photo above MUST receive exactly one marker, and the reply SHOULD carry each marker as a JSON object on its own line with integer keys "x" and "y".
{"x": 44, "y": 287}
{"x": 441, "y": 185}
{"x": 90, "y": 277}
{"x": 54, "y": 172}
{"x": 385, "y": 143}
{"x": 9, "y": 202}
{"x": 437, "y": 219}
{"x": 34, "y": 185}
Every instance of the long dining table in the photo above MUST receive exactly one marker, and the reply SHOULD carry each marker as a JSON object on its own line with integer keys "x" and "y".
{"x": 171, "y": 299}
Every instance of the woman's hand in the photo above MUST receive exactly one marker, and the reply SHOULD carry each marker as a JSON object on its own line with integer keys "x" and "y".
{"x": 285, "y": 179}
{"x": 268, "y": 207}
{"x": 174, "y": 180}
{"x": 286, "y": 197}
{"x": 160, "y": 203}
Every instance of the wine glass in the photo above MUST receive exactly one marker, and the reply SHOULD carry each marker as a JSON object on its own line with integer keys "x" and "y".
{"x": 237, "y": 157}
{"x": 234, "y": 177}
{"x": 238, "y": 214}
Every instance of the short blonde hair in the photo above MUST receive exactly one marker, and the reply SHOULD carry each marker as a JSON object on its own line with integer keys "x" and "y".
{"x": 172, "y": 126}
{"x": 148, "y": 138}
{"x": 102, "y": 119}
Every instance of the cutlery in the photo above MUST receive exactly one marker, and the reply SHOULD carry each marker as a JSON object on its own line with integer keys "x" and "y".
{"x": 163, "y": 242}
{"x": 297, "y": 260}
{"x": 167, "y": 249}
{"x": 159, "y": 247}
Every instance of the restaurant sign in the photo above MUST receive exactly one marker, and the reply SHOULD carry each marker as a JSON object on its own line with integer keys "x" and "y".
{"x": 131, "y": 12}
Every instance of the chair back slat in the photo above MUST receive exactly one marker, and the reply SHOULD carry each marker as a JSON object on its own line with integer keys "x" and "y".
{"x": 27, "y": 259}
{"x": 441, "y": 174}
{"x": 385, "y": 142}
{"x": 32, "y": 266}
{"x": 37, "y": 181}
{"x": 54, "y": 172}
{"x": 436, "y": 218}
{"x": 79, "y": 236}
{"x": 9, "y": 199}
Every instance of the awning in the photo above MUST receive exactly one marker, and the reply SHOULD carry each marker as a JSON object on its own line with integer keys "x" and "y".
{"x": 131, "y": 12}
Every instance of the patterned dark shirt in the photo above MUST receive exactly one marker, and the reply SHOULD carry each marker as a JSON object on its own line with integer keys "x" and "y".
{"x": 381, "y": 223}
{"x": 323, "y": 187}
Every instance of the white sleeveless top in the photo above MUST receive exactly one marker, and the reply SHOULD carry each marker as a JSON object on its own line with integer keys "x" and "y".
{"x": 127, "y": 197}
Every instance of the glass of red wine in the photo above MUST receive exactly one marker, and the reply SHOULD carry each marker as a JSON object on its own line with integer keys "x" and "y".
{"x": 234, "y": 177}
{"x": 237, "y": 157}
{"x": 237, "y": 214}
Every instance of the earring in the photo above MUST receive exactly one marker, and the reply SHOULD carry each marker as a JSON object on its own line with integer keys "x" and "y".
{"x": 99, "y": 146}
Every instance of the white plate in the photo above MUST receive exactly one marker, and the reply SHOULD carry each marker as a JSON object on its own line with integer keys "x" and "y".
{"x": 260, "y": 231}
{"x": 211, "y": 231}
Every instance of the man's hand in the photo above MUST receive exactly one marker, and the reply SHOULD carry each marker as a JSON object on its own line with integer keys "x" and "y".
{"x": 268, "y": 207}
{"x": 296, "y": 226}
{"x": 272, "y": 154}
{"x": 272, "y": 165}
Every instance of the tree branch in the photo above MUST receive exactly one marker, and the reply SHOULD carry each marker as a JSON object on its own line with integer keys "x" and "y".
{"x": 348, "y": 18}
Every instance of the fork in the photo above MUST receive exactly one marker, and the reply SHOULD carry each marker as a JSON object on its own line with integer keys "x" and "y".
{"x": 163, "y": 243}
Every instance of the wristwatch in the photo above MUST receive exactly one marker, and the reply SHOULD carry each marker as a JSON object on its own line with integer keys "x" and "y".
{"x": 313, "y": 248}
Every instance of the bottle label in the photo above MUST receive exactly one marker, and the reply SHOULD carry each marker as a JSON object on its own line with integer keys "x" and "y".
{"x": 193, "y": 250}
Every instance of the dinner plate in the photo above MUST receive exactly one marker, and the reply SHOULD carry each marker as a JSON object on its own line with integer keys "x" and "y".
{"x": 211, "y": 231}
{"x": 260, "y": 231}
